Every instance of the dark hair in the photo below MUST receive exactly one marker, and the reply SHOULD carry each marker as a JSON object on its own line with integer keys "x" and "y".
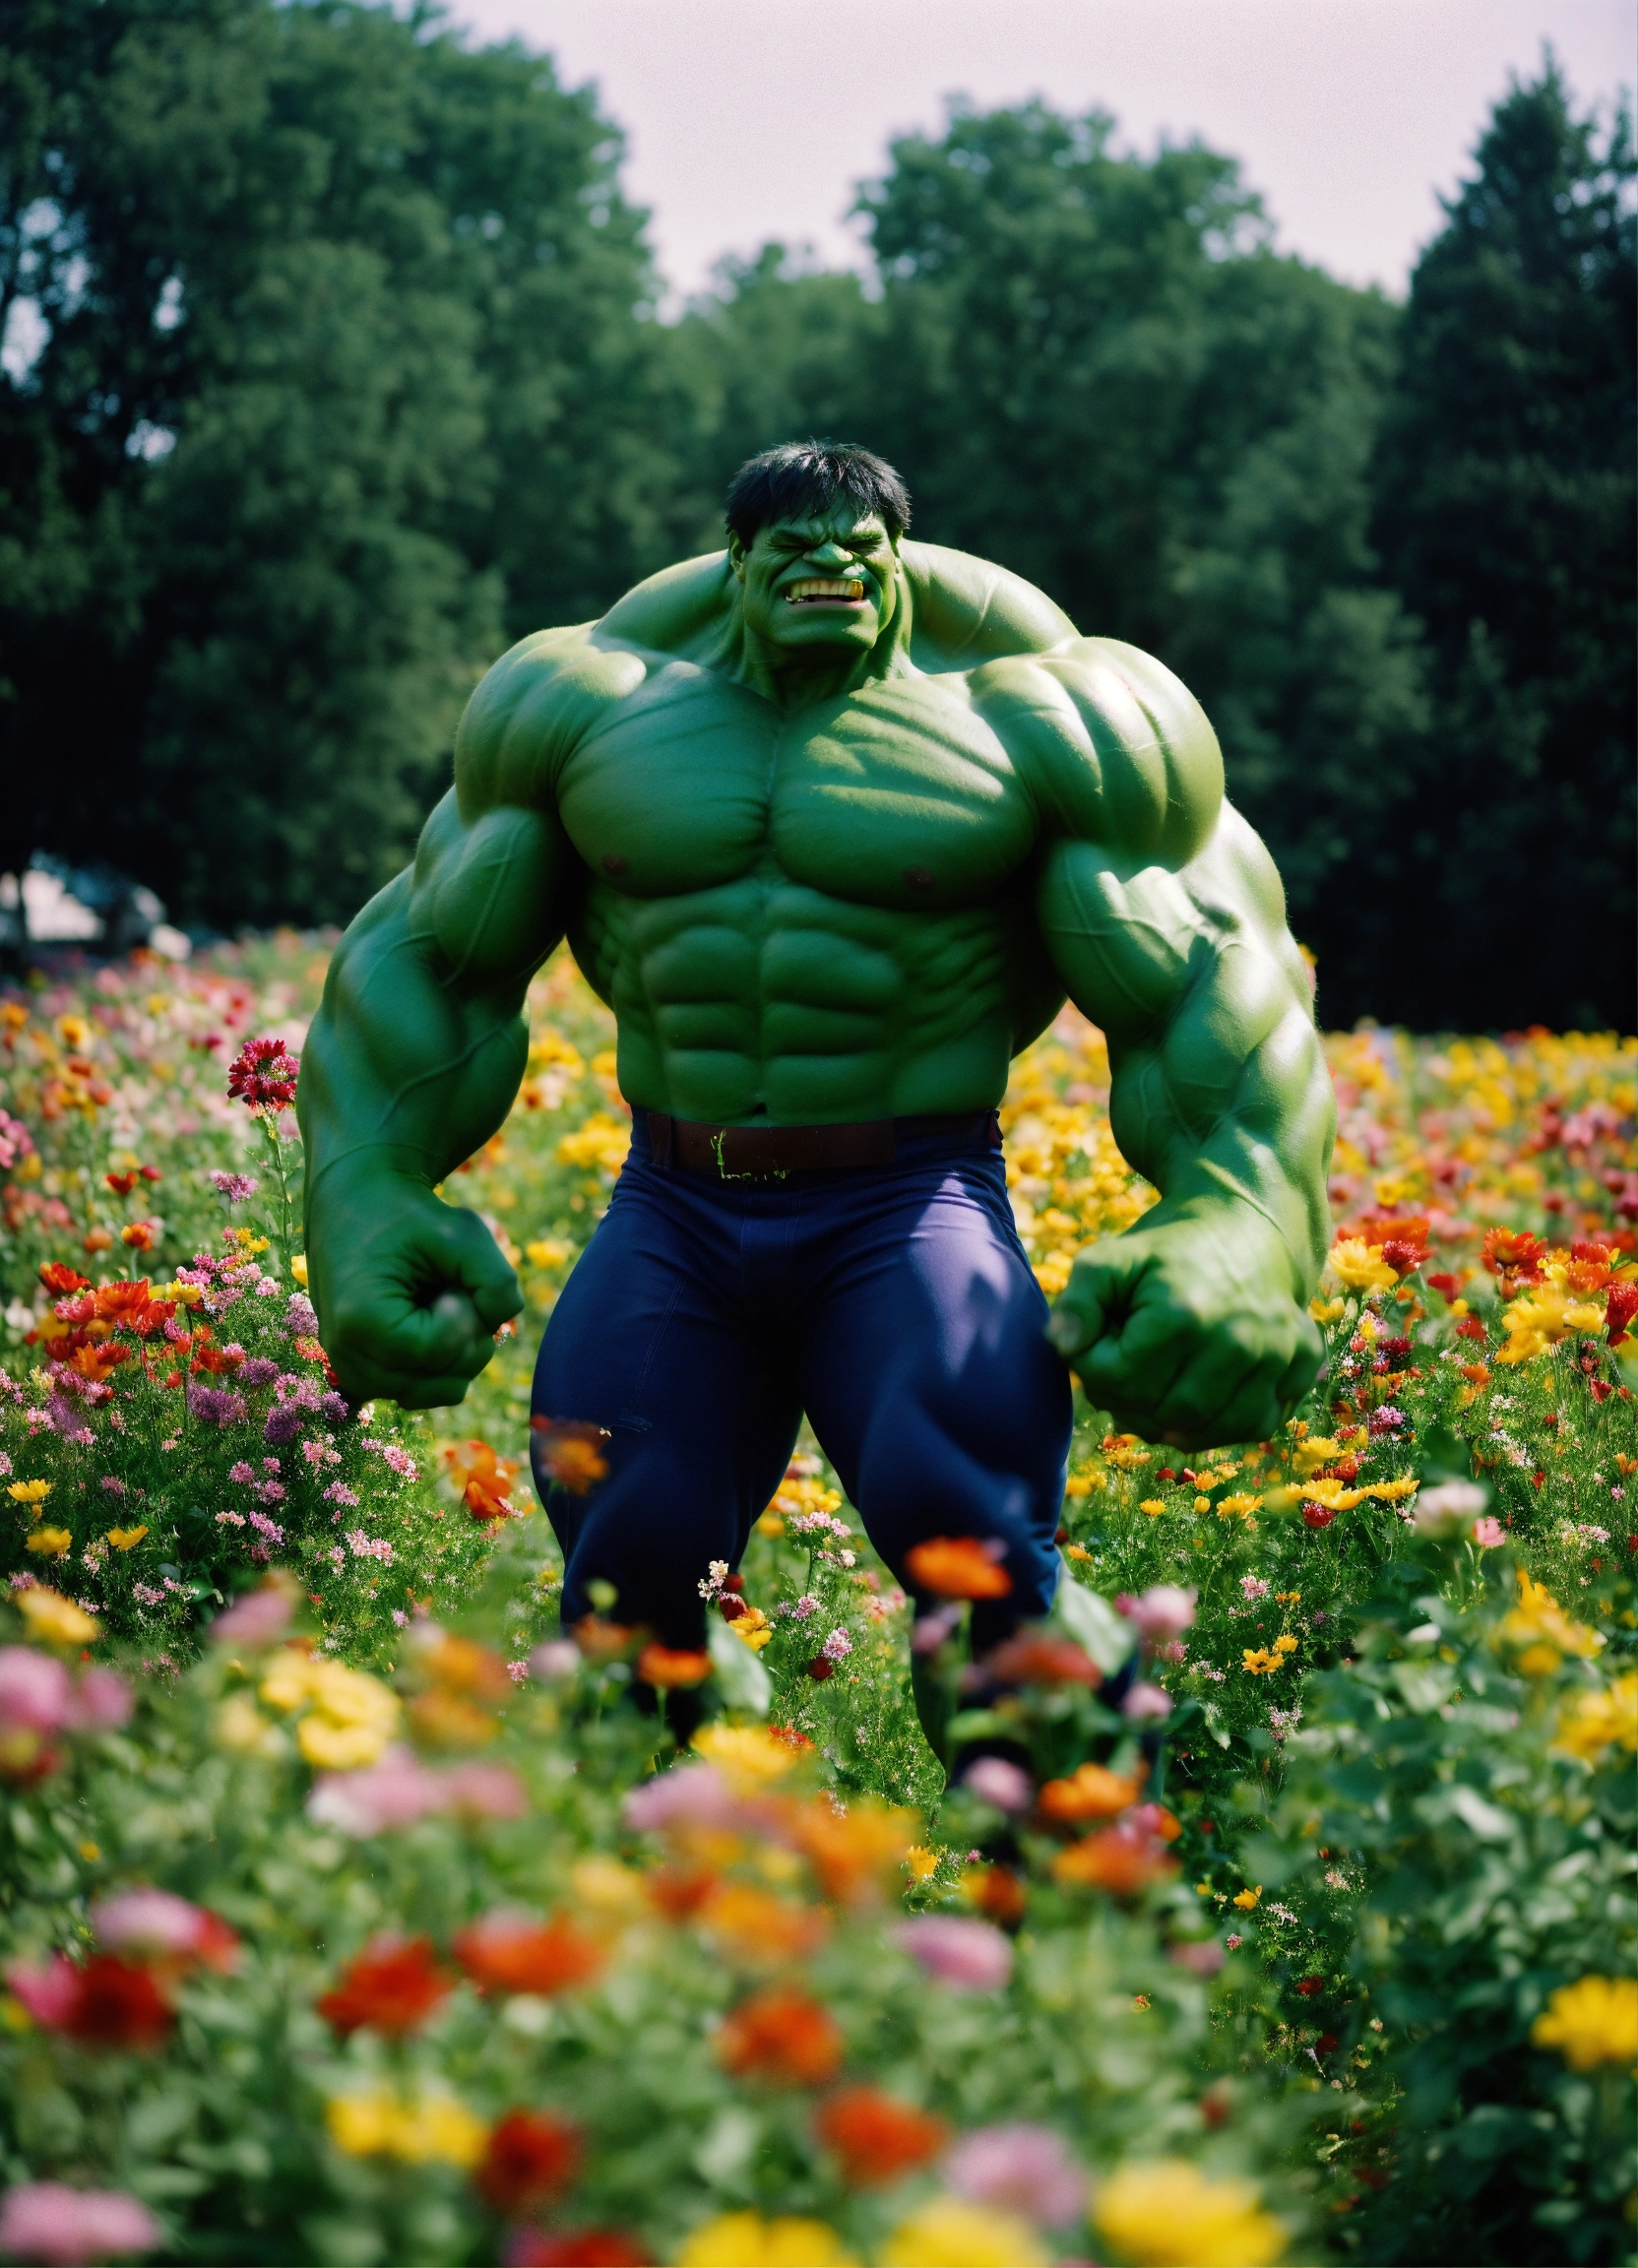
{"x": 799, "y": 479}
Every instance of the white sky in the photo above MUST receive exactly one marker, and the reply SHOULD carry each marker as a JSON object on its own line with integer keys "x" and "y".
{"x": 751, "y": 119}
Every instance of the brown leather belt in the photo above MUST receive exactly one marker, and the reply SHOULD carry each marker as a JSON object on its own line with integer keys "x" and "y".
{"x": 769, "y": 1153}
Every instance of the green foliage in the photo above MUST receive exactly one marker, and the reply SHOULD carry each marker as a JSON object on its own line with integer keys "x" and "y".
{"x": 1498, "y": 1868}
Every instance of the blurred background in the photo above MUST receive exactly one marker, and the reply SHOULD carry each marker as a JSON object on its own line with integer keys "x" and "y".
{"x": 1293, "y": 340}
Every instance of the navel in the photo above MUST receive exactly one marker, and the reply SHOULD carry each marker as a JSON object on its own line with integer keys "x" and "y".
{"x": 612, "y": 863}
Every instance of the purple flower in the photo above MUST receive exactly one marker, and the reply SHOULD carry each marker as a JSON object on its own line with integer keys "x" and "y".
{"x": 335, "y": 1407}
{"x": 994, "y": 1781}
{"x": 258, "y": 1371}
{"x": 47, "y": 2221}
{"x": 35, "y": 1695}
{"x": 284, "y": 1423}
{"x": 103, "y": 1702}
{"x": 970, "y": 1956}
{"x": 147, "y": 1922}
{"x": 300, "y": 1318}
{"x": 930, "y": 1630}
{"x": 338, "y": 1493}
{"x": 837, "y": 1646}
{"x": 1023, "y": 2170}
{"x": 235, "y": 1188}
{"x": 557, "y": 1658}
{"x": 216, "y": 1406}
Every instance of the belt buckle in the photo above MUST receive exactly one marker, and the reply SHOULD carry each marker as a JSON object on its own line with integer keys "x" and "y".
{"x": 775, "y": 1174}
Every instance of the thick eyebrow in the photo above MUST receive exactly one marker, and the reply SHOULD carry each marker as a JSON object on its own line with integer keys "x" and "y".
{"x": 858, "y": 538}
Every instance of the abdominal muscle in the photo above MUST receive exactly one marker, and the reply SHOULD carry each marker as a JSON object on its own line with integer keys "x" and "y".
{"x": 767, "y": 1002}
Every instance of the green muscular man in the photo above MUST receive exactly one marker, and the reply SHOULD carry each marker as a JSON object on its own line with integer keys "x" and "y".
{"x": 833, "y": 822}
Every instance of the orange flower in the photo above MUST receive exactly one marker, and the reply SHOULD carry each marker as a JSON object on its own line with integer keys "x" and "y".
{"x": 447, "y": 1720}
{"x": 139, "y": 1235}
{"x": 856, "y": 1853}
{"x": 602, "y": 1641}
{"x": 466, "y": 1667}
{"x": 510, "y": 1953}
{"x": 569, "y": 1453}
{"x": 678, "y": 1892}
{"x": 876, "y": 2138}
{"x": 1090, "y": 1793}
{"x": 669, "y": 1666}
{"x": 529, "y": 2156}
{"x": 1034, "y": 1659}
{"x": 761, "y": 1927}
{"x": 484, "y": 1478}
{"x": 94, "y": 1362}
{"x": 782, "y": 2036}
{"x": 393, "y": 1986}
{"x": 957, "y": 1567}
{"x": 1123, "y": 1860}
{"x": 997, "y": 1892}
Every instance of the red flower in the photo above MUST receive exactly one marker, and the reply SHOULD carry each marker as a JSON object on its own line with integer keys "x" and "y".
{"x": 1309, "y": 1986}
{"x": 1623, "y": 1307}
{"x": 1318, "y": 1515}
{"x": 60, "y": 1279}
{"x": 263, "y": 1075}
{"x": 575, "y": 2249}
{"x": 876, "y": 2138}
{"x": 510, "y": 1953}
{"x": 531, "y": 2156}
{"x": 393, "y": 1986}
{"x": 1512, "y": 1253}
{"x": 781, "y": 2037}
{"x": 667, "y": 1666}
{"x": 1034, "y": 1659}
{"x": 107, "y": 2002}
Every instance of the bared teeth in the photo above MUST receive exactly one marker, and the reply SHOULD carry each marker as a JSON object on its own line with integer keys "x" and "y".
{"x": 848, "y": 589}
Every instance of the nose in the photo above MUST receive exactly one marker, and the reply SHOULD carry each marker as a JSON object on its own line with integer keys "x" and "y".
{"x": 830, "y": 555}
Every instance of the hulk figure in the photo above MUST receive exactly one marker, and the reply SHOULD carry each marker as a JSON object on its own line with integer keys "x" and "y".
{"x": 833, "y": 822}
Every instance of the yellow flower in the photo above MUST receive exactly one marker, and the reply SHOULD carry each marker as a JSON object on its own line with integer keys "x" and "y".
{"x": 1245, "y": 1900}
{"x": 1361, "y": 1265}
{"x": 241, "y": 1727}
{"x": 948, "y": 2234}
{"x": 1168, "y": 2214}
{"x": 1600, "y": 1718}
{"x": 1545, "y": 1315}
{"x": 602, "y": 1140}
{"x": 1392, "y": 1491}
{"x": 608, "y": 1890}
{"x": 51, "y": 1543}
{"x": 350, "y": 1717}
{"x": 1540, "y": 1624}
{"x": 126, "y": 1539}
{"x": 1326, "y": 1310}
{"x": 53, "y": 1619}
{"x": 29, "y": 1491}
{"x": 1333, "y": 1493}
{"x": 747, "y": 1756}
{"x": 920, "y": 1861}
{"x": 1152, "y": 1505}
{"x": 437, "y": 2130}
{"x": 1594, "y": 2021}
{"x": 185, "y": 1295}
{"x": 299, "y": 1268}
{"x": 1316, "y": 1450}
{"x": 752, "y": 1629}
{"x": 545, "y": 1252}
{"x": 747, "y": 2241}
{"x": 1237, "y": 1508}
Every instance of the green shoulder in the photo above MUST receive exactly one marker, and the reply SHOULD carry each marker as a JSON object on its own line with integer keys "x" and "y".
{"x": 528, "y": 711}
{"x": 966, "y": 611}
{"x": 1114, "y": 748}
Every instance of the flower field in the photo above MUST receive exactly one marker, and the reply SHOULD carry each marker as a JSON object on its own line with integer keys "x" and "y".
{"x": 353, "y": 1913}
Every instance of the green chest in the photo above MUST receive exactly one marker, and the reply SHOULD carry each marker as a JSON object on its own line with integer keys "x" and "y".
{"x": 898, "y": 796}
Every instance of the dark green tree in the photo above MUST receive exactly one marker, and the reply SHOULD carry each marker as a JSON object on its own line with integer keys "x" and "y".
{"x": 343, "y": 356}
{"x": 1506, "y": 513}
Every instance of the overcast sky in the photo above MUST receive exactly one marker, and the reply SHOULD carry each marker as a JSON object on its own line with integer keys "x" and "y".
{"x": 751, "y": 119}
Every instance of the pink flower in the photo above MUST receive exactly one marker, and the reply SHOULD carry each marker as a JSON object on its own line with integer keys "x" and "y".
{"x": 1144, "y": 1701}
{"x": 486, "y": 1792}
{"x": 837, "y": 1646}
{"x": 394, "y": 1793}
{"x": 1162, "y": 1611}
{"x": 257, "y": 1618}
{"x": 1254, "y": 1587}
{"x": 36, "y": 1695}
{"x": 994, "y": 1781}
{"x": 1489, "y": 1531}
{"x": 103, "y": 1701}
{"x": 50, "y": 1992}
{"x": 688, "y": 1795}
{"x": 48, "y": 2221}
{"x": 150, "y": 1921}
{"x": 1233, "y": 1940}
{"x": 557, "y": 1658}
{"x": 1200, "y": 1957}
{"x": 970, "y": 1956}
{"x": 1023, "y": 2170}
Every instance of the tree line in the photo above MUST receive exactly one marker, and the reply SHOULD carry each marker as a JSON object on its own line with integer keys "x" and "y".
{"x": 332, "y": 365}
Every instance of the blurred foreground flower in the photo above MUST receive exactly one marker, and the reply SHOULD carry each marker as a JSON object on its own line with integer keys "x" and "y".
{"x": 47, "y": 2221}
{"x": 436, "y": 2130}
{"x": 875, "y": 2138}
{"x": 747, "y": 2241}
{"x": 569, "y": 1453}
{"x": 1167, "y": 2214}
{"x": 958, "y": 1567}
{"x": 970, "y": 1956}
{"x": 391, "y": 1986}
{"x": 1590, "y": 2022}
{"x": 1023, "y": 2170}
{"x": 949, "y": 2233}
{"x": 782, "y": 2036}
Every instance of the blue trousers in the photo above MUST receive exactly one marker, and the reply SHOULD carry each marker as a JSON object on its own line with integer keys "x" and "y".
{"x": 893, "y": 1303}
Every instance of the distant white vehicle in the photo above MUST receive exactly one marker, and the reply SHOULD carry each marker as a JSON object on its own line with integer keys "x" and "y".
{"x": 121, "y": 915}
